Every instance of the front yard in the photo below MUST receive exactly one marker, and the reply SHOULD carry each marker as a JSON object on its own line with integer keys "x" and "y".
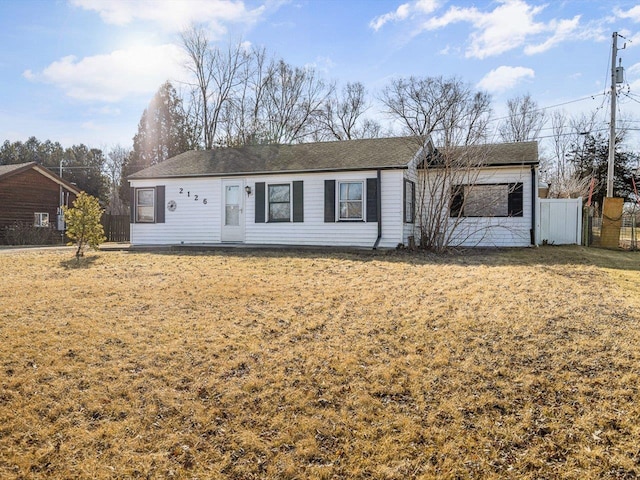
{"x": 504, "y": 364}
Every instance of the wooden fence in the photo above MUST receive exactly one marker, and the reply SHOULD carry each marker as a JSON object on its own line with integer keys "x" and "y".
{"x": 116, "y": 227}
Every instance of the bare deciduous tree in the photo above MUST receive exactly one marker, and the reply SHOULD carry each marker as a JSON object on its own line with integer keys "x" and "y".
{"x": 217, "y": 73}
{"x": 456, "y": 117}
{"x": 341, "y": 118}
{"x": 446, "y": 109}
{"x": 292, "y": 100}
{"x": 524, "y": 120}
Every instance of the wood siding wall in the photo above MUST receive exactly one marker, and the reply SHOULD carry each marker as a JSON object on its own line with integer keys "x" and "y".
{"x": 28, "y": 192}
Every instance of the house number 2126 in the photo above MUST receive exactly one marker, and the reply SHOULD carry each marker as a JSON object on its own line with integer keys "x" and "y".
{"x": 195, "y": 195}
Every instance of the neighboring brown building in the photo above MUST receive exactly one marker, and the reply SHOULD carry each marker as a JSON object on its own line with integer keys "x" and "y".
{"x": 32, "y": 194}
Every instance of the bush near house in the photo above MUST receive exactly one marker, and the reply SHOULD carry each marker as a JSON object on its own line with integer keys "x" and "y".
{"x": 283, "y": 365}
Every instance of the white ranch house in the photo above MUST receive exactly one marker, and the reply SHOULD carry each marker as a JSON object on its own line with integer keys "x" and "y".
{"x": 356, "y": 193}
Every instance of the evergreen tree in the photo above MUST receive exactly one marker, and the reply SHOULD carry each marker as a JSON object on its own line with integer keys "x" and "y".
{"x": 163, "y": 131}
{"x": 591, "y": 160}
{"x": 83, "y": 223}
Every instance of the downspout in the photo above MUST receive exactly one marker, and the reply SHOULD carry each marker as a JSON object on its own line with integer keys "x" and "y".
{"x": 379, "y": 209}
{"x": 534, "y": 194}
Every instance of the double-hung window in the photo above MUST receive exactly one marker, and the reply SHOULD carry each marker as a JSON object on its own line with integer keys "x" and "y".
{"x": 350, "y": 200}
{"x": 145, "y": 205}
{"x": 280, "y": 203}
{"x": 40, "y": 219}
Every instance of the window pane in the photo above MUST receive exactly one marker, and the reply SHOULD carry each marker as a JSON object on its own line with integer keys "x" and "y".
{"x": 278, "y": 193}
{"x": 486, "y": 200}
{"x": 232, "y": 215}
{"x": 145, "y": 214}
{"x": 279, "y": 211}
{"x": 145, "y": 197}
{"x": 232, "y": 195}
{"x": 354, "y": 191}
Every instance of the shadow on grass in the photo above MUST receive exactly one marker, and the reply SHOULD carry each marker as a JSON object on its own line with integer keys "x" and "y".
{"x": 543, "y": 256}
{"x": 78, "y": 263}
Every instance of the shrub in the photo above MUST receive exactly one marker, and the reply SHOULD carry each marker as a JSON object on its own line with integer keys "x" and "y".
{"x": 24, "y": 233}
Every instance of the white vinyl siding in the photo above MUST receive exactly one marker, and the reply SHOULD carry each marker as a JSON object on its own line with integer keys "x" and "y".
{"x": 196, "y": 218}
{"x": 497, "y": 231}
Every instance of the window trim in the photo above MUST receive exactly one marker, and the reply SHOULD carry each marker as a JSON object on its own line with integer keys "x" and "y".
{"x": 41, "y": 219}
{"x": 340, "y": 201}
{"x": 411, "y": 218}
{"x": 289, "y": 202}
{"x": 456, "y": 203}
{"x": 153, "y": 204}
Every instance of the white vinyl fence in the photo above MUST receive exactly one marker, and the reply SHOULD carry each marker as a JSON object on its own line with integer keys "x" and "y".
{"x": 560, "y": 221}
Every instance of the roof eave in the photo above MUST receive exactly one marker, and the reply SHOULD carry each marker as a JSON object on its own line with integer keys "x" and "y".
{"x": 269, "y": 172}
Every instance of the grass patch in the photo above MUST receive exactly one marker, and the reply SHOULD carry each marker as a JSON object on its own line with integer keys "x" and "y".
{"x": 515, "y": 363}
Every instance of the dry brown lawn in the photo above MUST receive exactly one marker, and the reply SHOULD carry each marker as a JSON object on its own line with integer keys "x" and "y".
{"x": 283, "y": 365}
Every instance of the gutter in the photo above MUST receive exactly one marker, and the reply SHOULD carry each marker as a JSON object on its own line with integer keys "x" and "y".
{"x": 379, "y": 205}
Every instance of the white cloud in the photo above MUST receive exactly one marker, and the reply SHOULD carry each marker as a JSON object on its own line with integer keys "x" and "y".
{"x": 562, "y": 30}
{"x": 172, "y": 15}
{"x": 114, "y": 76}
{"x": 504, "y": 78}
{"x": 403, "y": 12}
{"x": 633, "y": 13}
{"x": 511, "y": 24}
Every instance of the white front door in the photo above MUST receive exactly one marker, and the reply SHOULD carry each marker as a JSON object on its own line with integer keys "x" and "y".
{"x": 232, "y": 211}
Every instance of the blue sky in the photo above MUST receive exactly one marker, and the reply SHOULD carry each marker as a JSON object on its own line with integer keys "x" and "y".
{"x": 82, "y": 71}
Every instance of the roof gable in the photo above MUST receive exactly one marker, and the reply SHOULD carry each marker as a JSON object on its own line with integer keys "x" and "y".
{"x": 15, "y": 169}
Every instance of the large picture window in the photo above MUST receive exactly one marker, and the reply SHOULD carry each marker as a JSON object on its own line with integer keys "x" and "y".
{"x": 350, "y": 200}
{"x": 145, "y": 205}
{"x": 280, "y": 203}
{"x": 493, "y": 200}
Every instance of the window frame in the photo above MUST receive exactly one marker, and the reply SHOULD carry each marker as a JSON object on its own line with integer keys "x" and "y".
{"x": 152, "y": 206}
{"x": 340, "y": 201}
{"x": 41, "y": 219}
{"x": 409, "y": 210}
{"x": 269, "y": 202}
{"x": 458, "y": 202}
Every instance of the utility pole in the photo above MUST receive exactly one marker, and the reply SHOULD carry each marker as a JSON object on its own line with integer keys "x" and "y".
{"x": 612, "y": 127}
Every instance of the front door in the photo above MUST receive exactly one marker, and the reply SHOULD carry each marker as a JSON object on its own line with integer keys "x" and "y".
{"x": 232, "y": 211}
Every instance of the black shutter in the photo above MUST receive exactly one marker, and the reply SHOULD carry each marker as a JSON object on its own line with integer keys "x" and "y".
{"x": 457, "y": 200}
{"x": 329, "y": 201}
{"x": 132, "y": 205}
{"x": 515, "y": 200}
{"x": 298, "y": 205}
{"x": 160, "y": 204}
{"x": 372, "y": 199}
{"x": 259, "y": 202}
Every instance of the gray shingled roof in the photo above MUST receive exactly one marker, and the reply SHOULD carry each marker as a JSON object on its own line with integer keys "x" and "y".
{"x": 368, "y": 154}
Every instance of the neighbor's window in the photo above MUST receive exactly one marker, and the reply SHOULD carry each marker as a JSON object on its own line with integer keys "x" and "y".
{"x": 40, "y": 219}
{"x": 280, "y": 203}
{"x": 351, "y": 200}
{"x": 145, "y": 208}
{"x": 496, "y": 200}
{"x": 409, "y": 201}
